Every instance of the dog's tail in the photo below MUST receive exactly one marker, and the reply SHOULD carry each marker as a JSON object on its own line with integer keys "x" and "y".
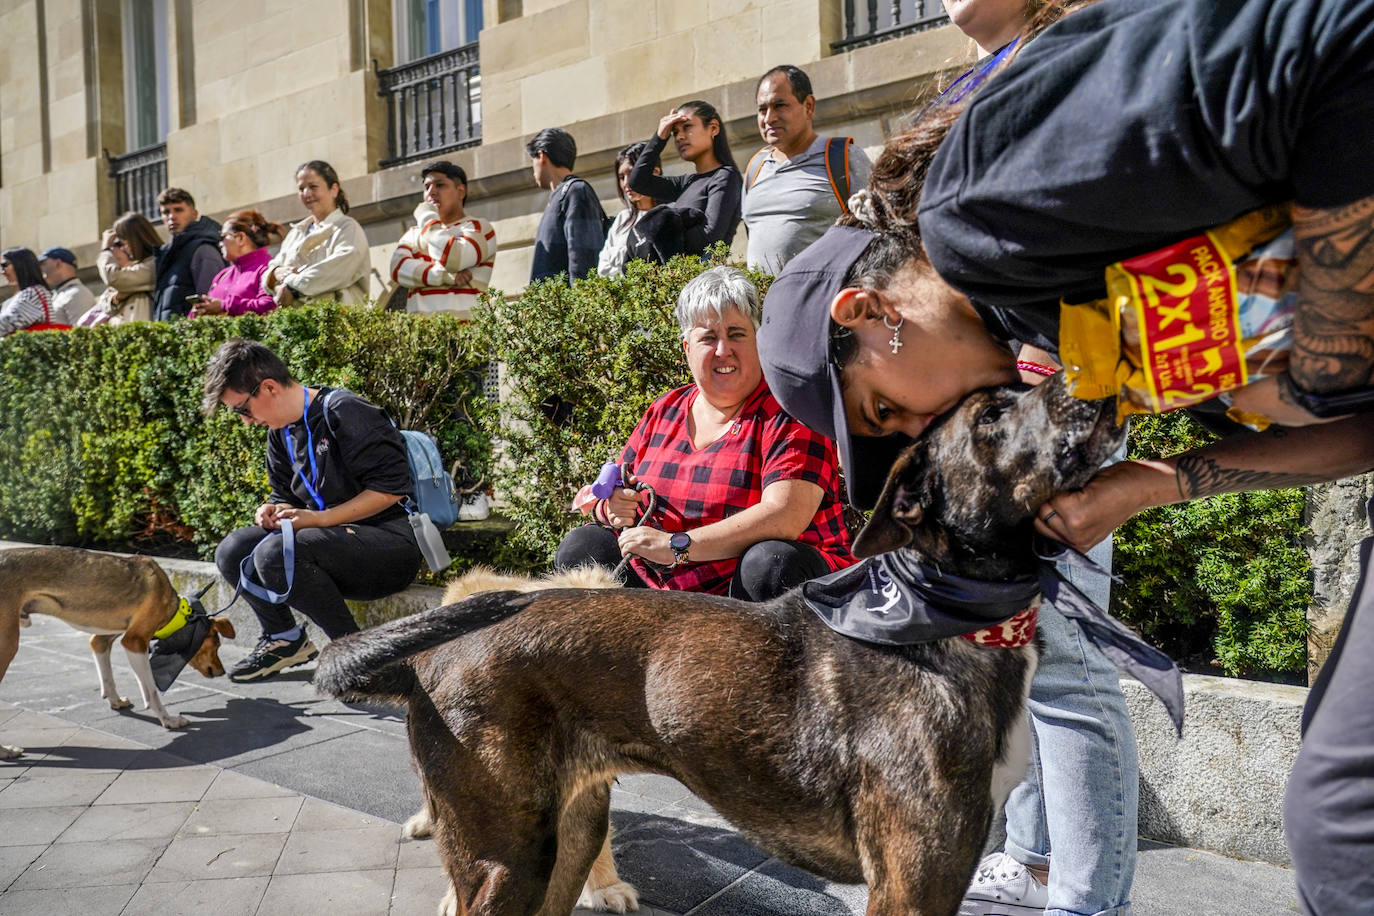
{"x": 370, "y": 665}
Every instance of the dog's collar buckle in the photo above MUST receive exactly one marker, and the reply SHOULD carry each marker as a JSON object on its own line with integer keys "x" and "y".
{"x": 1009, "y": 634}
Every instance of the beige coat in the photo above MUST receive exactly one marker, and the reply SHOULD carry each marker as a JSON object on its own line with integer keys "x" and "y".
{"x": 133, "y": 284}
{"x": 325, "y": 261}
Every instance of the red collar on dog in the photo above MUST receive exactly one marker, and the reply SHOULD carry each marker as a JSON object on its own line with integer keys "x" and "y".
{"x": 1009, "y": 634}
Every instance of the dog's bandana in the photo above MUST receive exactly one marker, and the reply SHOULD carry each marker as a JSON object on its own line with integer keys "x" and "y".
{"x": 1010, "y": 634}
{"x": 895, "y": 600}
{"x": 178, "y": 642}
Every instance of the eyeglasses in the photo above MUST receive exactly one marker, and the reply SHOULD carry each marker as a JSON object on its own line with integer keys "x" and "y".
{"x": 242, "y": 408}
{"x": 5, "y": 265}
{"x": 117, "y": 243}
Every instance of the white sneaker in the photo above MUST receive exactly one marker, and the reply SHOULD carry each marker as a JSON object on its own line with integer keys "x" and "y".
{"x": 1003, "y": 886}
{"x": 474, "y": 507}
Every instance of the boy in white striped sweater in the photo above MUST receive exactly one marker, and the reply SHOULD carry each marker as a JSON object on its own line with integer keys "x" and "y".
{"x": 445, "y": 259}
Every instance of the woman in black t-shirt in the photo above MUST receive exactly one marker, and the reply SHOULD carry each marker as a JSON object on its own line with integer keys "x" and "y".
{"x": 338, "y": 472}
{"x": 714, "y": 190}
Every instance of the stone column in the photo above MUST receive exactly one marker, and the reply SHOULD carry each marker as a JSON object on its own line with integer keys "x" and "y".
{"x": 1336, "y": 522}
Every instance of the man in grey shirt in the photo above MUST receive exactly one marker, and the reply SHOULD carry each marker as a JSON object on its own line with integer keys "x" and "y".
{"x": 798, "y": 185}
{"x": 70, "y": 297}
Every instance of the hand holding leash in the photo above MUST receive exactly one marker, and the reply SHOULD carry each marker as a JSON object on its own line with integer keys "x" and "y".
{"x": 647, "y": 543}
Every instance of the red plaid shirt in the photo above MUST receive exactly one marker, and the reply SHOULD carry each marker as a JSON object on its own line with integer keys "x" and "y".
{"x": 698, "y": 487}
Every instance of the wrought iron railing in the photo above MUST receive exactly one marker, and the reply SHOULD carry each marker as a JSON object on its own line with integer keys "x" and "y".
{"x": 868, "y": 22}
{"x": 139, "y": 178}
{"x": 434, "y": 104}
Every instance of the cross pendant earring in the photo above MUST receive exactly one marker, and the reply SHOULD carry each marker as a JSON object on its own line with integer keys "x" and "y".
{"x": 896, "y": 342}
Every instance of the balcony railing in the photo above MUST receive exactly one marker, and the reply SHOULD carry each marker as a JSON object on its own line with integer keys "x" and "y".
{"x": 434, "y": 104}
{"x": 868, "y": 22}
{"x": 139, "y": 178}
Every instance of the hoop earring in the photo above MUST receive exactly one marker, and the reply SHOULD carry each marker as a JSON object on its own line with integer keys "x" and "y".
{"x": 896, "y": 342}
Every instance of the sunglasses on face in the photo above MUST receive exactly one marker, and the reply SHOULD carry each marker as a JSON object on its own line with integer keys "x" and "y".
{"x": 5, "y": 265}
{"x": 117, "y": 243}
{"x": 242, "y": 408}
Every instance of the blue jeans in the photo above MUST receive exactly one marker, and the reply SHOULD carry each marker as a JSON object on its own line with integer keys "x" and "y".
{"x": 1076, "y": 809}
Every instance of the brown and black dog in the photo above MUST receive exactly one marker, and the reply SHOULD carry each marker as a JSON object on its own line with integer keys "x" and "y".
{"x": 104, "y": 594}
{"x": 857, "y": 761}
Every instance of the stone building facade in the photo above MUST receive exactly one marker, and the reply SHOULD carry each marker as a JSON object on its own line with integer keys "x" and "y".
{"x": 226, "y": 99}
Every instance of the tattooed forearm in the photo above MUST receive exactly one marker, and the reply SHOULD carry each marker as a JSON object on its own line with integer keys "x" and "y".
{"x": 1333, "y": 326}
{"x": 1199, "y": 476}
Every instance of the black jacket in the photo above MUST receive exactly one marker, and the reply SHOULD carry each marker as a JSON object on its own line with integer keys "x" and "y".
{"x": 175, "y": 278}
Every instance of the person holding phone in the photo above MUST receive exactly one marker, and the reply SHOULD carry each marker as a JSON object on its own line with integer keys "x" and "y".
{"x": 237, "y": 289}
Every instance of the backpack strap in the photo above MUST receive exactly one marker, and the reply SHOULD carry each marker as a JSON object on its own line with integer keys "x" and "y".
{"x": 751, "y": 172}
{"x": 837, "y": 169}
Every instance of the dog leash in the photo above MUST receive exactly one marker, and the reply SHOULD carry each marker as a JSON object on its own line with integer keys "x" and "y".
{"x": 246, "y": 567}
{"x": 642, "y": 487}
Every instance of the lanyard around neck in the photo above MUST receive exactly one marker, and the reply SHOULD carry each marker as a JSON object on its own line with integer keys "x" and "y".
{"x": 309, "y": 454}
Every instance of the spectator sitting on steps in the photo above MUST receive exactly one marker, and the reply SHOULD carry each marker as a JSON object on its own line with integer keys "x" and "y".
{"x": 32, "y": 305}
{"x": 747, "y": 498}
{"x": 70, "y": 297}
{"x": 338, "y": 471}
{"x": 446, "y": 258}
{"x": 128, "y": 264}
{"x": 187, "y": 264}
{"x": 237, "y": 289}
{"x": 324, "y": 255}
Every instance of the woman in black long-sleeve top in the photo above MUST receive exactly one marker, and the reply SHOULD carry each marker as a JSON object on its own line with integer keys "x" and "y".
{"x": 715, "y": 188}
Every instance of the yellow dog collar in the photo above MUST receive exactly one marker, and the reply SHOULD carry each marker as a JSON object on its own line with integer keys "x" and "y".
{"x": 178, "y": 620}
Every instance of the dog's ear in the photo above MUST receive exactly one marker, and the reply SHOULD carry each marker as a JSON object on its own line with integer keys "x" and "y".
{"x": 223, "y": 627}
{"x": 899, "y": 507}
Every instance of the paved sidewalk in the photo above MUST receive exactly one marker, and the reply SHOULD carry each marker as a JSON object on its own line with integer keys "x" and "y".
{"x": 275, "y": 800}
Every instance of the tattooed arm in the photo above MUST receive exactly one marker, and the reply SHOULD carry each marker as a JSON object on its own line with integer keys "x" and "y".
{"x": 1255, "y": 461}
{"x": 1333, "y": 325}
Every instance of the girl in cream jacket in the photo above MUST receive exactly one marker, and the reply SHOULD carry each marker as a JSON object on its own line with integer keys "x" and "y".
{"x": 324, "y": 255}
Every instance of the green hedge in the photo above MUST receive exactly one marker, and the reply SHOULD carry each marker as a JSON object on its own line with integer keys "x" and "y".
{"x": 104, "y": 443}
{"x": 1223, "y": 581}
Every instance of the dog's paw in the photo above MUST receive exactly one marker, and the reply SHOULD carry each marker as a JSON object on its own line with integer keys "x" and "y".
{"x": 449, "y": 905}
{"x": 9, "y": 752}
{"x": 171, "y": 721}
{"x": 419, "y": 826}
{"x": 613, "y": 898}
{"x": 118, "y": 702}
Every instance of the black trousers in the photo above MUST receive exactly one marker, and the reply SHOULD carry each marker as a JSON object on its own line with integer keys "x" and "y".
{"x": 766, "y": 570}
{"x": 1329, "y": 804}
{"x": 355, "y": 562}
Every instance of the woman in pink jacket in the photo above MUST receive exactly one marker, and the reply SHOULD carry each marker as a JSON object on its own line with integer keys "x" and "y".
{"x": 237, "y": 289}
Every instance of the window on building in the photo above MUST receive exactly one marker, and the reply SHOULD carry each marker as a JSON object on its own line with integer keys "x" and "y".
{"x": 425, "y": 27}
{"x": 145, "y": 72}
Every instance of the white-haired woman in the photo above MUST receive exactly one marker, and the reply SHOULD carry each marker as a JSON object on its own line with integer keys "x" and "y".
{"x": 747, "y": 498}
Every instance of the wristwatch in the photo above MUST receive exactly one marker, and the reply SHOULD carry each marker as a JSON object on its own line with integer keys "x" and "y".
{"x": 681, "y": 542}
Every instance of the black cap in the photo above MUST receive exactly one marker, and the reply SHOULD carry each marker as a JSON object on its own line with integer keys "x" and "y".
{"x": 794, "y": 348}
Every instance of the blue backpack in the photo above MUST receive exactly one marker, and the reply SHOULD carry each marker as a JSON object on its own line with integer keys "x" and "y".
{"x": 435, "y": 494}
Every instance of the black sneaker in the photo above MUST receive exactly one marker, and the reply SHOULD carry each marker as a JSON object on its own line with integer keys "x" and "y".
{"x": 273, "y": 655}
